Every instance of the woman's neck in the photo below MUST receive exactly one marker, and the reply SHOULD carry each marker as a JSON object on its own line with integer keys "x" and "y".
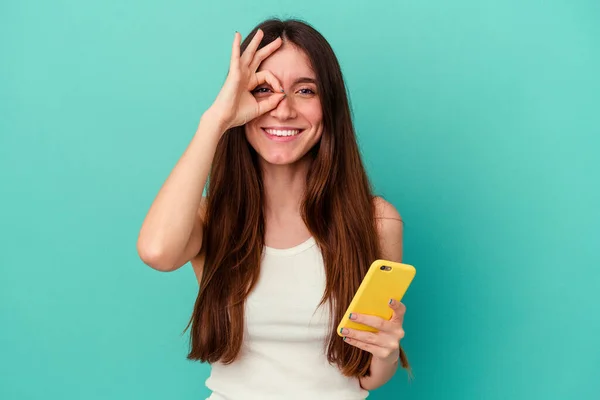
{"x": 284, "y": 187}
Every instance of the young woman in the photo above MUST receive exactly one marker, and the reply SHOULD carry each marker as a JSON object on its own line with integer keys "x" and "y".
{"x": 286, "y": 232}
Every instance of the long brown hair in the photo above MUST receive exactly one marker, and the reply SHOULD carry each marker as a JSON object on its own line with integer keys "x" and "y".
{"x": 338, "y": 209}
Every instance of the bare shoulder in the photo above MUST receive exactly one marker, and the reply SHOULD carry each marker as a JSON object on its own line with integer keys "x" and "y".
{"x": 390, "y": 228}
{"x": 198, "y": 260}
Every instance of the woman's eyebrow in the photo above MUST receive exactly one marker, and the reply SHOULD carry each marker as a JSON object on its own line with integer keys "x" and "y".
{"x": 305, "y": 80}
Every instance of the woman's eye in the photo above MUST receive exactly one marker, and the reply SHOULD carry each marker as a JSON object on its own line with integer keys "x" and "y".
{"x": 261, "y": 90}
{"x": 307, "y": 91}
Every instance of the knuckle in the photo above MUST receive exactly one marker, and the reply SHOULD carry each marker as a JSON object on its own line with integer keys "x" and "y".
{"x": 400, "y": 333}
{"x": 385, "y": 353}
{"x": 371, "y": 337}
{"x": 260, "y": 55}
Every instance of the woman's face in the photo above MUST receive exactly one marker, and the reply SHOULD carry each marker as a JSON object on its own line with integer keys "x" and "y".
{"x": 285, "y": 134}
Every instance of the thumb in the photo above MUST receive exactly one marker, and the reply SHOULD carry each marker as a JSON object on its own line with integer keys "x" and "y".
{"x": 399, "y": 310}
{"x": 271, "y": 103}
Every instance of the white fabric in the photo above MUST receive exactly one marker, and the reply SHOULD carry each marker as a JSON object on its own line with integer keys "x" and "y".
{"x": 284, "y": 350}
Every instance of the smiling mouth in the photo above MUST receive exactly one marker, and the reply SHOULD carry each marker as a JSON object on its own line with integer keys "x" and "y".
{"x": 283, "y": 132}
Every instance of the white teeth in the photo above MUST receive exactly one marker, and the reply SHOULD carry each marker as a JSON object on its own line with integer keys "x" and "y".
{"x": 279, "y": 132}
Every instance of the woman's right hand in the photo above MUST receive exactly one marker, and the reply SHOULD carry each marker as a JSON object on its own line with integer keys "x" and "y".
{"x": 235, "y": 104}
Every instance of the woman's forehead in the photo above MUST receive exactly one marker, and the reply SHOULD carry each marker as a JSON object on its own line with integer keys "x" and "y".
{"x": 288, "y": 62}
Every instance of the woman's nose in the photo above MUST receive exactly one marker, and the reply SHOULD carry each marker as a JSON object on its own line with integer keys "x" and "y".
{"x": 285, "y": 109}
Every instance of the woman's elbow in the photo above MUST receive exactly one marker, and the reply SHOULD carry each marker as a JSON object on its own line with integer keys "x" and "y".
{"x": 154, "y": 257}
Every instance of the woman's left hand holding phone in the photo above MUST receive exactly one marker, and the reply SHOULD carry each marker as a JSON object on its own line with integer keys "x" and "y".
{"x": 383, "y": 344}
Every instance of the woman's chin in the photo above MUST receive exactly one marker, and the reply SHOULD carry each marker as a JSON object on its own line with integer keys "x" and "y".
{"x": 279, "y": 159}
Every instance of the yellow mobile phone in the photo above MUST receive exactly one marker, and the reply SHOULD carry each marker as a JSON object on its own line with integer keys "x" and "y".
{"x": 384, "y": 280}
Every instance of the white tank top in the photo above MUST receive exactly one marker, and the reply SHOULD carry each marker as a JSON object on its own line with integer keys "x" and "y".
{"x": 283, "y": 354}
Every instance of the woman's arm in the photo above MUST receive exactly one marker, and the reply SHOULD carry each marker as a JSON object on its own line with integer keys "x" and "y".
{"x": 172, "y": 230}
{"x": 385, "y": 360}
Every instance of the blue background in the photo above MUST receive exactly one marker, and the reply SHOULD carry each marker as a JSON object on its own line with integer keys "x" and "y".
{"x": 479, "y": 120}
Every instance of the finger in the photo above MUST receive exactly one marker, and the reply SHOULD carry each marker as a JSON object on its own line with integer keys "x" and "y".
{"x": 269, "y": 104}
{"x": 251, "y": 49}
{"x": 382, "y": 339}
{"x": 374, "y": 322}
{"x": 272, "y": 101}
{"x": 265, "y": 52}
{"x": 363, "y": 336}
{"x": 235, "y": 51}
{"x": 398, "y": 309}
{"x": 377, "y": 351}
{"x": 265, "y": 76}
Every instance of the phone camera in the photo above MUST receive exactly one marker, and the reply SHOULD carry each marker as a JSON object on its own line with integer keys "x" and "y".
{"x": 382, "y": 268}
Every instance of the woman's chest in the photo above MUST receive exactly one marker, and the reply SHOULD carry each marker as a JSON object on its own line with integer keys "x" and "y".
{"x": 285, "y": 303}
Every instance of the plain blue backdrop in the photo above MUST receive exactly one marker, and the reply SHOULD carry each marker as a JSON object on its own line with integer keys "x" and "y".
{"x": 478, "y": 119}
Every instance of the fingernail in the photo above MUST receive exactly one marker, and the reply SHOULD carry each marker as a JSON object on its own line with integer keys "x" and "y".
{"x": 391, "y": 301}
{"x": 343, "y": 331}
{"x": 352, "y": 316}
{"x": 344, "y": 338}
